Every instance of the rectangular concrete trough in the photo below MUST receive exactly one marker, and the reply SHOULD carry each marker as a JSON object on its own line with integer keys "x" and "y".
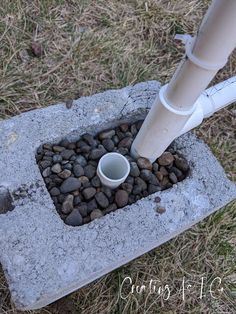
{"x": 44, "y": 259}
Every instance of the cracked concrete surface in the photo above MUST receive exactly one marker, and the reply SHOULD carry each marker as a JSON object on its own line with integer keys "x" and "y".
{"x": 44, "y": 259}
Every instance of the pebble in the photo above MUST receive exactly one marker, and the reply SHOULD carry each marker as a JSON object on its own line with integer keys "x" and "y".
{"x": 133, "y": 129}
{"x": 81, "y": 160}
{"x": 67, "y": 205}
{"x": 144, "y": 163}
{"x": 153, "y": 188}
{"x": 58, "y": 149}
{"x": 97, "y": 153}
{"x": 55, "y": 191}
{"x": 77, "y": 200}
{"x": 163, "y": 171}
{"x": 115, "y": 139}
{"x": 88, "y": 193}
{"x": 106, "y": 134}
{"x": 124, "y": 127}
{"x": 127, "y": 187}
{"x": 173, "y": 178}
{"x": 134, "y": 170}
{"x": 159, "y": 176}
{"x": 56, "y": 158}
{"x": 45, "y": 163}
{"x": 67, "y": 153}
{"x": 112, "y": 207}
{"x": 141, "y": 183}
{"x": 64, "y": 143}
{"x": 96, "y": 182}
{"x": 96, "y": 213}
{"x": 91, "y": 205}
{"x": 181, "y": 163}
{"x": 70, "y": 184}
{"x": 46, "y": 172}
{"x": 139, "y": 124}
{"x": 108, "y": 144}
{"x": 89, "y": 171}
{"x": 74, "y": 218}
{"x": 177, "y": 172}
{"x": 130, "y": 180}
{"x": 165, "y": 159}
{"x": 155, "y": 167}
{"x": 107, "y": 191}
{"x": 56, "y": 168}
{"x": 86, "y": 220}
{"x": 85, "y": 149}
{"x": 121, "y": 198}
{"x": 78, "y": 170}
{"x": 89, "y": 139}
{"x": 83, "y": 210}
{"x": 136, "y": 189}
{"x": 84, "y": 180}
{"x": 101, "y": 199}
{"x": 64, "y": 174}
{"x": 126, "y": 142}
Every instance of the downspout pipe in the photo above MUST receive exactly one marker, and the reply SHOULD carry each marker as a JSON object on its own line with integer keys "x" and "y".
{"x": 205, "y": 55}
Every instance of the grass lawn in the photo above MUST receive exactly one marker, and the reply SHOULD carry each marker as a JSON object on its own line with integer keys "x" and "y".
{"x": 81, "y": 47}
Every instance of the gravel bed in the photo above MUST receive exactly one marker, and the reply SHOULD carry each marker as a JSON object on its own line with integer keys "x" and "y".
{"x": 69, "y": 172}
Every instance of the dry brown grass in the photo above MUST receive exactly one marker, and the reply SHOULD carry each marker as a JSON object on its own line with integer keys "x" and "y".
{"x": 90, "y": 46}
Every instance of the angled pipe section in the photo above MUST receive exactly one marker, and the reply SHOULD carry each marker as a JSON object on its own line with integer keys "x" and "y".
{"x": 177, "y": 102}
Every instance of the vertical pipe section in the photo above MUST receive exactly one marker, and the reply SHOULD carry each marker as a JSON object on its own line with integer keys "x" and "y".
{"x": 172, "y": 108}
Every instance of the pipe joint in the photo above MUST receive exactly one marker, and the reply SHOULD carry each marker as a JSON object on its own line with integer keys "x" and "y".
{"x": 189, "y": 41}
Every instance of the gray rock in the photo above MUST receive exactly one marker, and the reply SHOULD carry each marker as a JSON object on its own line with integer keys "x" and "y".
{"x": 81, "y": 160}
{"x": 45, "y": 163}
{"x": 136, "y": 190}
{"x": 127, "y": 187}
{"x": 111, "y": 208}
{"x": 58, "y": 149}
{"x": 83, "y": 210}
{"x": 155, "y": 167}
{"x": 54, "y": 191}
{"x": 121, "y": 198}
{"x": 181, "y": 163}
{"x": 177, "y": 172}
{"x": 56, "y": 158}
{"x": 108, "y": 144}
{"x": 97, "y": 153}
{"x": 46, "y": 172}
{"x": 102, "y": 199}
{"x": 67, "y": 205}
{"x": 88, "y": 193}
{"x": 84, "y": 180}
{"x": 173, "y": 178}
{"x": 70, "y": 184}
{"x": 106, "y": 134}
{"x": 91, "y": 205}
{"x": 134, "y": 170}
{"x": 133, "y": 129}
{"x": 74, "y": 218}
{"x": 56, "y": 168}
{"x": 115, "y": 139}
{"x": 77, "y": 200}
{"x": 96, "y": 182}
{"x": 89, "y": 171}
{"x": 96, "y": 213}
{"x": 67, "y": 153}
{"x": 153, "y": 188}
{"x": 165, "y": 159}
{"x": 78, "y": 170}
{"x": 141, "y": 183}
{"x": 107, "y": 191}
{"x": 89, "y": 139}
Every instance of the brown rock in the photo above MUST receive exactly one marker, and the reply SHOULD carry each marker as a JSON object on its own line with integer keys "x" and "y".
{"x": 165, "y": 159}
{"x": 96, "y": 213}
{"x": 121, "y": 198}
{"x": 144, "y": 163}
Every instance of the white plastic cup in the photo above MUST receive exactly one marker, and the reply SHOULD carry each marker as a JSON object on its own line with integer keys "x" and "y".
{"x": 113, "y": 169}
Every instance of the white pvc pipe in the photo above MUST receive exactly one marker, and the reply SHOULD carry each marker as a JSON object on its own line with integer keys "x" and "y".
{"x": 175, "y": 104}
{"x": 113, "y": 169}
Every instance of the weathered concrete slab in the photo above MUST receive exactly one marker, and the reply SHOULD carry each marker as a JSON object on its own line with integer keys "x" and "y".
{"x": 43, "y": 258}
